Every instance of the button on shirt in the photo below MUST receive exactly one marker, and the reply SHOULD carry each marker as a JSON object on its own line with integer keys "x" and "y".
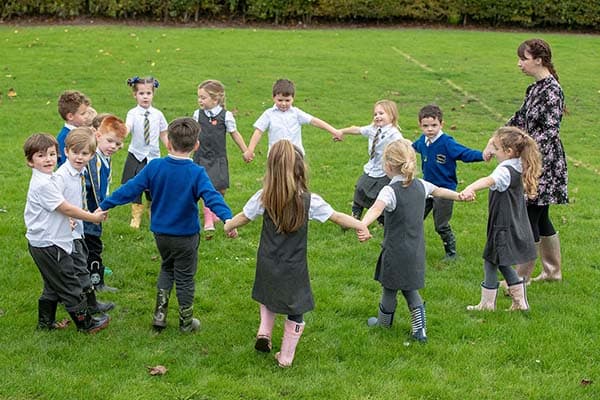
{"x": 230, "y": 124}
{"x": 68, "y": 181}
{"x": 283, "y": 125}
{"x": 389, "y": 133}
{"x": 45, "y": 226}
{"x": 135, "y": 123}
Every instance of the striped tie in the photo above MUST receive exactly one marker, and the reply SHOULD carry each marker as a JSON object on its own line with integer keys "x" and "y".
{"x": 146, "y": 127}
{"x": 375, "y": 141}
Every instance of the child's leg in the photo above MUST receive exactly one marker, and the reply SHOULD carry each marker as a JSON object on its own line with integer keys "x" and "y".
{"x": 442, "y": 213}
{"x": 489, "y": 288}
{"x": 130, "y": 169}
{"x": 293, "y": 328}
{"x": 417, "y": 314}
{"x": 47, "y": 305}
{"x": 265, "y": 330}
{"x": 516, "y": 288}
{"x": 387, "y": 308}
{"x": 95, "y": 263}
{"x": 80, "y": 255}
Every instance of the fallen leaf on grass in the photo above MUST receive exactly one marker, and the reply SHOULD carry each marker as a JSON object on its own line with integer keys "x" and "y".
{"x": 157, "y": 370}
{"x": 585, "y": 382}
{"x": 11, "y": 93}
{"x": 154, "y": 258}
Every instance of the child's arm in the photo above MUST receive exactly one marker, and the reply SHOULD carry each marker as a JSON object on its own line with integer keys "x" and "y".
{"x": 482, "y": 183}
{"x": 446, "y": 194}
{"x": 347, "y": 221}
{"x": 239, "y": 220}
{"x": 319, "y": 123}
{"x": 164, "y": 137}
{"x": 239, "y": 140}
{"x": 374, "y": 212}
{"x": 351, "y": 130}
{"x": 72, "y": 211}
{"x": 249, "y": 153}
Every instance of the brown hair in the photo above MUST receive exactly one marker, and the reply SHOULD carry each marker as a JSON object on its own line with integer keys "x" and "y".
{"x": 524, "y": 147}
{"x": 431, "y": 111}
{"x": 38, "y": 142}
{"x": 111, "y": 123}
{"x": 538, "y": 48}
{"x": 183, "y": 133}
{"x": 81, "y": 138}
{"x": 284, "y": 87}
{"x": 215, "y": 90}
{"x": 390, "y": 108}
{"x": 284, "y": 184}
{"x": 70, "y": 101}
{"x": 400, "y": 158}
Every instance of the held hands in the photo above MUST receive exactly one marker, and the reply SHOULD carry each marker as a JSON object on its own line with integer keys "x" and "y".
{"x": 363, "y": 233}
{"x": 100, "y": 215}
{"x": 338, "y": 136}
{"x": 467, "y": 195}
{"x": 231, "y": 232}
{"x": 248, "y": 156}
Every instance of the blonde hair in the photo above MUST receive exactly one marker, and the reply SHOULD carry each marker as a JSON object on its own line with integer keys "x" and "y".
{"x": 81, "y": 138}
{"x": 215, "y": 90}
{"x": 524, "y": 147}
{"x": 390, "y": 108}
{"x": 400, "y": 158}
{"x": 284, "y": 184}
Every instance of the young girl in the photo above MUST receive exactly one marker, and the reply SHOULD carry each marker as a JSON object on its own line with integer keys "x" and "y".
{"x": 215, "y": 122}
{"x": 401, "y": 264}
{"x": 282, "y": 284}
{"x": 382, "y": 131}
{"x": 509, "y": 236}
{"x": 146, "y": 124}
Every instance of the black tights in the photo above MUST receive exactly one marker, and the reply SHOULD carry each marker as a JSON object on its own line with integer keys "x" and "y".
{"x": 539, "y": 219}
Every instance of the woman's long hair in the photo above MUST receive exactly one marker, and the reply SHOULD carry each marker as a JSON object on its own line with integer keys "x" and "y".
{"x": 283, "y": 186}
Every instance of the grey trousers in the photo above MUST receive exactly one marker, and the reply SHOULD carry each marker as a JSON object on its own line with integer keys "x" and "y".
{"x": 442, "y": 213}
{"x": 179, "y": 264}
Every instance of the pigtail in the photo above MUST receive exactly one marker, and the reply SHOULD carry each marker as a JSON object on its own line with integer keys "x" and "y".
{"x": 133, "y": 82}
{"x": 532, "y": 166}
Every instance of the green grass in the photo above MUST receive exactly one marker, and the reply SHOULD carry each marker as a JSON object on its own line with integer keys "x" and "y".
{"x": 545, "y": 354}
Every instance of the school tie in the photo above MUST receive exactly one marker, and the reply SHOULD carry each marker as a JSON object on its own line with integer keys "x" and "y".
{"x": 428, "y": 142}
{"x": 146, "y": 127}
{"x": 83, "y": 192}
{"x": 211, "y": 118}
{"x": 375, "y": 141}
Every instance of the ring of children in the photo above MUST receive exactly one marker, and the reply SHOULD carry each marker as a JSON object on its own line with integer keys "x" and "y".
{"x": 549, "y": 351}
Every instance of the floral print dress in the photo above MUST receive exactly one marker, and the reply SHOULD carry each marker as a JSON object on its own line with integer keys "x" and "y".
{"x": 540, "y": 116}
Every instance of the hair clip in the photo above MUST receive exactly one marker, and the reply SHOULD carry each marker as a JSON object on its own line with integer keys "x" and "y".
{"x": 155, "y": 82}
{"x": 133, "y": 81}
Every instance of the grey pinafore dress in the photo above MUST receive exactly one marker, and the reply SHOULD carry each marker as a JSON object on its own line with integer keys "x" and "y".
{"x": 212, "y": 153}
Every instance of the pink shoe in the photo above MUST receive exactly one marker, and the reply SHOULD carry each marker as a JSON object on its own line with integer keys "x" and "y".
{"x": 263, "y": 337}
{"x": 291, "y": 335}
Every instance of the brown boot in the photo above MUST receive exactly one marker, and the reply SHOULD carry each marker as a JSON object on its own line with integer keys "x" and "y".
{"x": 136, "y": 215}
{"x": 291, "y": 335}
{"x": 518, "y": 293}
{"x": 488, "y": 300}
{"x": 551, "y": 260}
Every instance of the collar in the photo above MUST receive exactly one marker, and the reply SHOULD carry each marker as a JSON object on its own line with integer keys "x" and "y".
{"x": 398, "y": 178}
{"x": 215, "y": 111}
{"x": 436, "y": 137}
{"x": 72, "y": 171}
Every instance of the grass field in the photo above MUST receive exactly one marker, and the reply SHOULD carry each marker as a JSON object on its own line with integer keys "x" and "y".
{"x": 549, "y": 353}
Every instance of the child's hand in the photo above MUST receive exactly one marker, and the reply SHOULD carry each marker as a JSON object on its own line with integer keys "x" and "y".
{"x": 248, "y": 156}
{"x": 101, "y": 215}
{"x": 467, "y": 195}
{"x": 338, "y": 136}
{"x": 232, "y": 234}
{"x": 72, "y": 223}
{"x": 363, "y": 234}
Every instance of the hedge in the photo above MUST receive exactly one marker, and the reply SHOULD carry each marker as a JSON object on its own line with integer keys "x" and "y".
{"x": 564, "y": 14}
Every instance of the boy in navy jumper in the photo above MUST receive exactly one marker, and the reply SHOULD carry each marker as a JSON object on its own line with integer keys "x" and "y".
{"x": 73, "y": 108}
{"x": 439, "y": 153}
{"x": 176, "y": 184}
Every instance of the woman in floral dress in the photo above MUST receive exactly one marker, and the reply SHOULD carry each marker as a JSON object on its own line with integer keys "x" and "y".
{"x": 540, "y": 116}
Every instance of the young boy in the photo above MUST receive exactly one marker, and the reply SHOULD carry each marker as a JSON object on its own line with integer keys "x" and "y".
{"x": 80, "y": 146}
{"x": 439, "y": 153}
{"x": 51, "y": 241}
{"x": 176, "y": 184}
{"x": 283, "y": 121}
{"x": 73, "y": 108}
{"x": 110, "y": 134}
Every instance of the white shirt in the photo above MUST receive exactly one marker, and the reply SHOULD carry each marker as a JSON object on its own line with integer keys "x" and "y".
{"x": 135, "y": 123}
{"x": 389, "y": 133}
{"x": 283, "y": 125}
{"x": 68, "y": 181}
{"x": 45, "y": 226}
{"x": 432, "y": 140}
{"x": 230, "y": 124}
{"x": 501, "y": 174}
{"x": 319, "y": 208}
{"x": 388, "y": 196}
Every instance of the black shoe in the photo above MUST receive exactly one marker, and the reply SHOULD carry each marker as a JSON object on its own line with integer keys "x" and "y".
{"x": 105, "y": 288}
{"x": 100, "y": 308}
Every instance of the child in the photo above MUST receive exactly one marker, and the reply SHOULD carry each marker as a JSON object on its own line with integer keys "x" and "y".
{"x": 439, "y": 153}
{"x": 146, "y": 124}
{"x": 176, "y": 184}
{"x": 51, "y": 241}
{"x": 215, "y": 122}
{"x": 73, "y": 108}
{"x": 282, "y": 284}
{"x": 401, "y": 264}
{"x": 283, "y": 121}
{"x": 79, "y": 149}
{"x": 382, "y": 131}
{"x": 110, "y": 133}
{"x": 509, "y": 236}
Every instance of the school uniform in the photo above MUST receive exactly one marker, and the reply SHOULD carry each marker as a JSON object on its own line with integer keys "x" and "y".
{"x": 61, "y": 138}
{"x": 212, "y": 153}
{"x": 282, "y": 282}
{"x": 509, "y": 235}
{"x": 284, "y": 125}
